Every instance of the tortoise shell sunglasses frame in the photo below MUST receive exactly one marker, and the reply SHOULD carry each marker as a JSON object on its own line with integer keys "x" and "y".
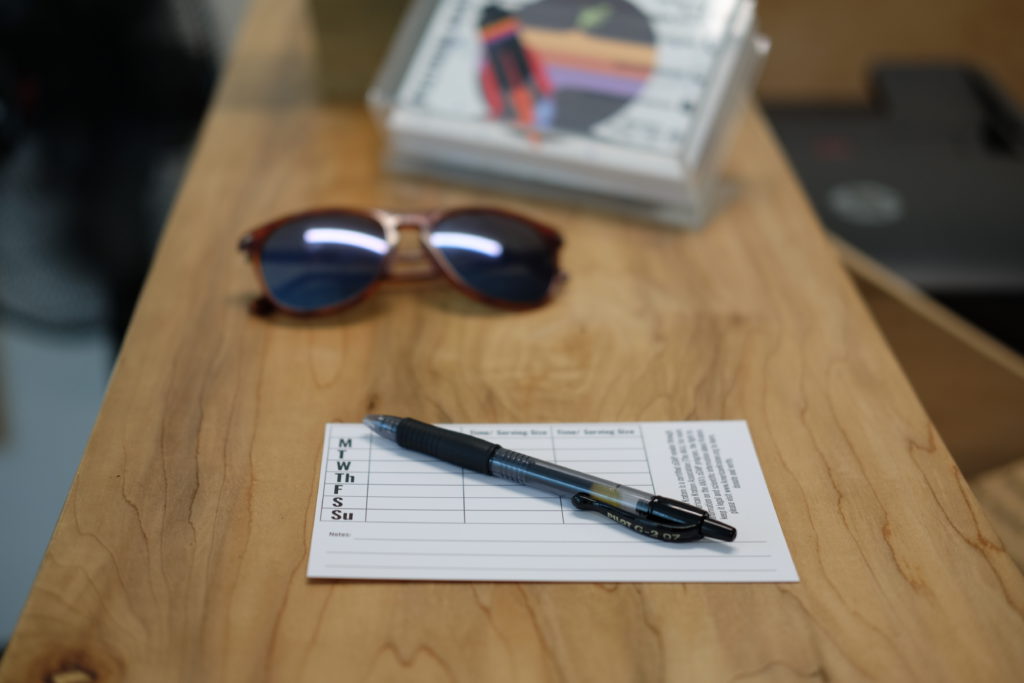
{"x": 391, "y": 224}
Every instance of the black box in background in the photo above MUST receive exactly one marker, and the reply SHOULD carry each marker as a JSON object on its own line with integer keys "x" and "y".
{"x": 929, "y": 180}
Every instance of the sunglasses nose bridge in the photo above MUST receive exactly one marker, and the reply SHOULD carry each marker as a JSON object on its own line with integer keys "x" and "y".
{"x": 412, "y": 221}
{"x": 394, "y": 223}
{"x": 406, "y": 261}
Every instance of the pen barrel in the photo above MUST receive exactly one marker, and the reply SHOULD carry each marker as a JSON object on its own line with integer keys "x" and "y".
{"x": 456, "y": 448}
{"x": 562, "y": 481}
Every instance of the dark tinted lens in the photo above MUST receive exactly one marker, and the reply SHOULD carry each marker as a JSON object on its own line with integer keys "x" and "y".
{"x": 322, "y": 260}
{"x": 500, "y": 256}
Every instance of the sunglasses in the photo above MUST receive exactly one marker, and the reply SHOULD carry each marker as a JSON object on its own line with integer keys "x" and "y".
{"x": 323, "y": 261}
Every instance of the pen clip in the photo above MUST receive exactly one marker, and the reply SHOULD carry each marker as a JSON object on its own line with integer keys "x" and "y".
{"x": 673, "y": 533}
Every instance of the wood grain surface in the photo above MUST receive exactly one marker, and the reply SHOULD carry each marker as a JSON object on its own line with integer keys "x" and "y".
{"x": 180, "y": 554}
{"x": 971, "y": 385}
{"x": 1001, "y": 493}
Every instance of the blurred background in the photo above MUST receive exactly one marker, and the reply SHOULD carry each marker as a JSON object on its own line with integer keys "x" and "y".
{"x": 100, "y": 102}
{"x": 901, "y": 118}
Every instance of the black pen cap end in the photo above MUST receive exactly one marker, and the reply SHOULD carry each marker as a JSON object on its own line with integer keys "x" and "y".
{"x": 712, "y": 528}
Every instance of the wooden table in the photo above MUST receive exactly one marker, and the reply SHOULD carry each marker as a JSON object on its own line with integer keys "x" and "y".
{"x": 180, "y": 554}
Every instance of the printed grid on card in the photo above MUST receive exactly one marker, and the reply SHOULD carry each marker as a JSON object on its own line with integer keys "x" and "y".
{"x": 369, "y": 479}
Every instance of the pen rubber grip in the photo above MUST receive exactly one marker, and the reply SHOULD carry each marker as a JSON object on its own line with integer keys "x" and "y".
{"x": 456, "y": 448}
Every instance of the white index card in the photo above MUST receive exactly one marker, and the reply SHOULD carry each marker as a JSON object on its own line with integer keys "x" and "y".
{"x": 384, "y": 512}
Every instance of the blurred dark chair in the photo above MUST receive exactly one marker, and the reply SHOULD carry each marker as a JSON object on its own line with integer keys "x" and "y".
{"x": 100, "y": 101}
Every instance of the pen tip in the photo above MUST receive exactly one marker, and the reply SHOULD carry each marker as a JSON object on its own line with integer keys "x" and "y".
{"x": 383, "y": 425}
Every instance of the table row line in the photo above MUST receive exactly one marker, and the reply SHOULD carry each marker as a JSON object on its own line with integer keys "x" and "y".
{"x": 507, "y": 504}
{"x": 459, "y": 516}
{"x": 619, "y": 476}
{"x": 515, "y": 443}
{"x": 575, "y": 457}
{"x": 468, "y": 490}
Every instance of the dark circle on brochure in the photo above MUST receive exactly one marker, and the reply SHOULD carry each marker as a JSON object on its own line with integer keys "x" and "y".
{"x": 623, "y": 20}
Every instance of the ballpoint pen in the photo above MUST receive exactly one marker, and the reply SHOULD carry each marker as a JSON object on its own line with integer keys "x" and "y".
{"x": 650, "y": 515}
